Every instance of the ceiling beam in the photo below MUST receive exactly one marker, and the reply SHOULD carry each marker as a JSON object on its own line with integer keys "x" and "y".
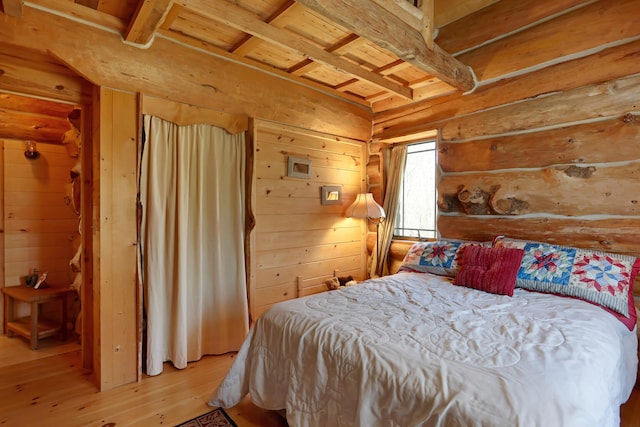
{"x": 279, "y": 19}
{"x": 239, "y": 18}
{"x": 385, "y": 29}
{"x": 149, "y": 16}
{"x": 339, "y": 48}
{"x": 13, "y": 7}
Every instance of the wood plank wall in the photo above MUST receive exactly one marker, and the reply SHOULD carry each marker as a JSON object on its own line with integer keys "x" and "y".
{"x": 40, "y": 230}
{"x": 294, "y": 234}
{"x": 552, "y": 151}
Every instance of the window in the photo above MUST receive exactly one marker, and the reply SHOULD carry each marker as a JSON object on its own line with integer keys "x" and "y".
{"x": 417, "y": 205}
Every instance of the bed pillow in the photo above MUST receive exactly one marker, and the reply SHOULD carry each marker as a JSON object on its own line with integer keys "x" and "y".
{"x": 598, "y": 277}
{"x": 491, "y": 270}
{"x": 441, "y": 257}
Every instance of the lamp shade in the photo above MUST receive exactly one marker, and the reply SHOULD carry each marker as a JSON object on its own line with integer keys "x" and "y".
{"x": 365, "y": 207}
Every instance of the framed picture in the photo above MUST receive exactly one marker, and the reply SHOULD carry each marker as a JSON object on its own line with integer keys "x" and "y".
{"x": 299, "y": 167}
{"x": 331, "y": 195}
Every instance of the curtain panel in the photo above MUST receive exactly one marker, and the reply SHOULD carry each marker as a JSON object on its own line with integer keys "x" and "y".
{"x": 380, "y": 267}
{"x": 192, "y": 185}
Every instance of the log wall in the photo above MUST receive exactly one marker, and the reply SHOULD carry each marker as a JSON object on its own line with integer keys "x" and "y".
{"x": 295, "y": 235}
{"x": 550, "y": 151}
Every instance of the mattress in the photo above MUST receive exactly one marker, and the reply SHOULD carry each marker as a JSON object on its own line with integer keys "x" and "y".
{"x": 412, "y": 349}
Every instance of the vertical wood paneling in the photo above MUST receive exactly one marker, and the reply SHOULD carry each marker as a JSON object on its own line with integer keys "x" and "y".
{"x": 295, "y": 235}
{"x": 39, "y": 228}
{"x": 115, "y": 239}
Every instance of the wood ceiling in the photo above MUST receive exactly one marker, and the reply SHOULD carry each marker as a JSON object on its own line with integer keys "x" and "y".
{"x": 382, "y": 54}
{"x": 363, "y": 50}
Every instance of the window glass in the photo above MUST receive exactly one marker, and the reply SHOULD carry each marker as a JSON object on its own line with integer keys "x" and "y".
{"x": 417, "y": 208}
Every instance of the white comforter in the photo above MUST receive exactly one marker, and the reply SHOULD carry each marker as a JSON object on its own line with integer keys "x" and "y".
{"x": 415, "y": 350}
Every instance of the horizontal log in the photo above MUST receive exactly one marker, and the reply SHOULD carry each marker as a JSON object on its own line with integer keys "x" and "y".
{"x": 561, "y": 190}
{"x": 612, "y": 98}
{"x": 613, "y": 63}
{"x": 506, "y": 16}
{"x": 24, "y": 104}
{"x": 583, "y": 29}
{"x": 568, "y": 145}
{"x": 47, "y": 80}
{"x": 26, "y": 126}
{"x": 620, "y": 235}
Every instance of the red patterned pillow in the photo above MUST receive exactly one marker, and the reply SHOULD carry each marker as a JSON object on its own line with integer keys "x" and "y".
{"x": 491, "y": 270}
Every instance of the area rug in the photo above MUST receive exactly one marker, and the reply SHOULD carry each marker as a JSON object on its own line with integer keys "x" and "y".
{"x": 215, "y": 418}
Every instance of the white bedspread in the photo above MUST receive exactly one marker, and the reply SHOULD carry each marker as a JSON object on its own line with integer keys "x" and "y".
{"x": 415, "y": 350}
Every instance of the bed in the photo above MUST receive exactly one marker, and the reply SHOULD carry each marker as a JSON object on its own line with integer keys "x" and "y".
{"x": 413, "y": 349}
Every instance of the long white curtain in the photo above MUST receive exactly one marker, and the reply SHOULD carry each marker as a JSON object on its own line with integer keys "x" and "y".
{"x": 380, "y": 267}
{"x": 192, "y": 231}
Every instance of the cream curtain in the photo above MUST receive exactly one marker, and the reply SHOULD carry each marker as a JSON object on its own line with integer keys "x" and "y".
{"x": 379, "y": 267}
{"x": 192, "y": 232}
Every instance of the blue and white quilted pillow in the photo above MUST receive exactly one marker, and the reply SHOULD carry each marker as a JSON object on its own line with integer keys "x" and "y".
{"x": 599, "y": 277}
{"x": 441, "y": 257}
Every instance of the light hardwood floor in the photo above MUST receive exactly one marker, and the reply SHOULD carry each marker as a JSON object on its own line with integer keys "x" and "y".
{"x": 55, "y": 391}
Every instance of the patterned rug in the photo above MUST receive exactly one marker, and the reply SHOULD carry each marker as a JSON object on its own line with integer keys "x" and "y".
{"x": 215, "y": 418}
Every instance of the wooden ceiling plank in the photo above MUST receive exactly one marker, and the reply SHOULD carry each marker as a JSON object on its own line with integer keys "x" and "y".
{"x": 173, "y": 14}
{"x": 376, "y": 24}
{"x": 148, "y": 17}
{"x": 339, "y": 48}
{"x": 393, "y": 67}
{"x": 377, "y": 97}
{"x": 13, "y": 7}
{"x": 239, "y": 18}
{"x": 249, "y": 42}
{"x": 189, "y": 41}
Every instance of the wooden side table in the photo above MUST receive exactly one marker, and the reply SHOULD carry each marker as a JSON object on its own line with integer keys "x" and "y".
{"x": 32, "y": 327}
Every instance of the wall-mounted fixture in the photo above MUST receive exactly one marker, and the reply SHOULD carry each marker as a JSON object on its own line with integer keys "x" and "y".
{"x": 30, "y": 150}
{"x": 331, "y": 195}
{"x": 299, "y": 167}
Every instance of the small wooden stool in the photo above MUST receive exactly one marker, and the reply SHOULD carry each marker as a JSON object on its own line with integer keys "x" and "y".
{"x": 32, "y": 327}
